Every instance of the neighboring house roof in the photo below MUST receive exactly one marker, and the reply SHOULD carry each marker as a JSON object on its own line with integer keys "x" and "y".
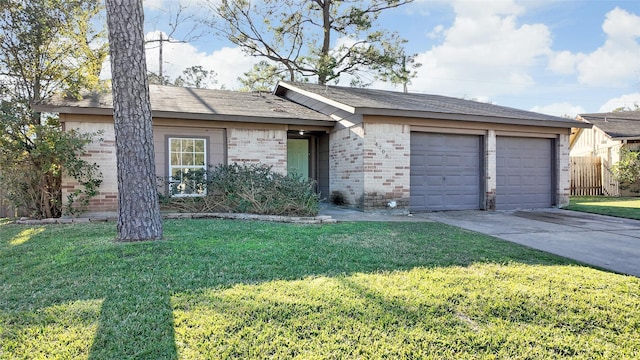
{"x": 391, "y": 103}
{"x": 199, "y": 104}
{"x": 622, "y": 125}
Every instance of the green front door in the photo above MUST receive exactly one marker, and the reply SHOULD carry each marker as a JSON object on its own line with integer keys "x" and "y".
{"x": 298, "y": 157}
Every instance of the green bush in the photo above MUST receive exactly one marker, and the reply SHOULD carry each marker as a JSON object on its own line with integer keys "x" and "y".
{"x": 33, "y": 159}
{"x": 248, "y": 188}
{"x": 627, "y": 170}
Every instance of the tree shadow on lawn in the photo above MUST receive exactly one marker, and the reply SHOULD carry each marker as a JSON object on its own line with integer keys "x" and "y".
{"x": 136, "y": 282}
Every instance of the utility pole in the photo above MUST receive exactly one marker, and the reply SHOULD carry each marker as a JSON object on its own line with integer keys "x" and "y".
{"x": 177, "y": 18}
{"x": 405, "y": 79}
{"x": 160, "y": 61}
{"x": 160, "y": 41}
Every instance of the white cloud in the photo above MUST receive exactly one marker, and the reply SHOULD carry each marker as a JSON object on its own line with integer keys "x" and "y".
{"x": 436, "y": 32}
{"x": 228, "y": 63}
{"x": 484, "y": 53}
{"x": 628, "y": 100}
{"x": 153, "y": 4}
{"x": 615, "y": 63}
{"x": 564, "y": 62}
{"x": 560, "y": 109}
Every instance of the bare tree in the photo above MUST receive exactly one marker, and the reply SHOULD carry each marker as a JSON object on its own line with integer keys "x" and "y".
{"x": 138, "y": 208}
{"x": 179, "y": 18}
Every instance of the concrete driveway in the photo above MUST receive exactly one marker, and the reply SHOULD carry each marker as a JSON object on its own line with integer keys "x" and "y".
{"x": 604, "y": 241}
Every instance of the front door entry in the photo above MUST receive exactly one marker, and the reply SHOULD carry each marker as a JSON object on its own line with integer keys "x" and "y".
{"x": 298, "y": 157}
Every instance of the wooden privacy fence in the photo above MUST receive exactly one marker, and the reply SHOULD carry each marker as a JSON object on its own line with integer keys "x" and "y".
{"x": 586, "y": 176}
{"x": 610, "y": 186}
{"x": 591, "y": 176}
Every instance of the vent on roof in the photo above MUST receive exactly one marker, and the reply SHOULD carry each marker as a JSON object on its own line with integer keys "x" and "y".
{"x": 278, "y": 110}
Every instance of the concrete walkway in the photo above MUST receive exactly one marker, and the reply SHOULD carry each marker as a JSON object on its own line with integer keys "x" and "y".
{"x": 603, "y": 241}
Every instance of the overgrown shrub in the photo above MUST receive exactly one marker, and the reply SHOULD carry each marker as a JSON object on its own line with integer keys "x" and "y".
{"x": 248, "y": 188}
{"x": 627, "y": 170}
{"x": 33, "y": 158}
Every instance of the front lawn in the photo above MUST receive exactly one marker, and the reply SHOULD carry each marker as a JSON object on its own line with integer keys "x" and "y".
{"x": 626, "y": 207}
{"x": 234, "y": 289}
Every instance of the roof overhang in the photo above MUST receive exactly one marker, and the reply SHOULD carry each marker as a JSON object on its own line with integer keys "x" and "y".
{"x": 282, "y": 87}
{"x": 278, "y": 90}
{"x": 104, "y": 111}
{"x": 472, "y": 118}
{"x": 626, "y": 138}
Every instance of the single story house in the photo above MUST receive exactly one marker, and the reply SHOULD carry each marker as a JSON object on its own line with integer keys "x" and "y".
{"x": 610, "y": 133}
{"x": 378, "y": 149}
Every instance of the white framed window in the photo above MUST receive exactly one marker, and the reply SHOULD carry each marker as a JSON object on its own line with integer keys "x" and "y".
{"x": 187, "y": 166}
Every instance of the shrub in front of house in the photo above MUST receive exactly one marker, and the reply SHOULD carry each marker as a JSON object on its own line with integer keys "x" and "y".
{"x": 244, "y": 188}
{"x": 627, "y": 172}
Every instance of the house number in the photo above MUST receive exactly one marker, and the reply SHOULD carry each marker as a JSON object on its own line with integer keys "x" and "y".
{"x": 382, "y": 150}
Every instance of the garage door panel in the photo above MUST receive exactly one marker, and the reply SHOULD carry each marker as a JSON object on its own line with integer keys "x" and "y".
{"x": 445, "y": 172}
{"x": 524, "y": 173}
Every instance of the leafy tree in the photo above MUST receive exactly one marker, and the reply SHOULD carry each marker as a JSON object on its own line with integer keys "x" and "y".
{"x": 195, "y": 77}
{"x": 627, "y": 170}
{"x": 138, "y": 207}
{"x": 49, "y": 46}
{"x": 46, "y": 46}
{"x": 34, "y": 177}
{"x": 261, "y": 77}
{"x": 634, "y": 107}
{"x": 156, "y": 79}
{"x": 319, "y": 38}
{"x": 402, "y": 73}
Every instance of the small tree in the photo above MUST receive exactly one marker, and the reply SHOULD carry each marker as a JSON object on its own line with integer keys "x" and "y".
{"x": 46, "y": 47}
{"x": 194, "y": 76}
{"x": 627, "y": 170}
{"x": 33, "y": 158}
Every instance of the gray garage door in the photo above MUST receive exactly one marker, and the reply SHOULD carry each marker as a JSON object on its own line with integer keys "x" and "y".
{"x": 445, "y": 172}
{"x": 523, "y": 173}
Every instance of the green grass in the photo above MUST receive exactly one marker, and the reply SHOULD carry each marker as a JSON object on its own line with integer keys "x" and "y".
{"x": 626, "y": 207}
{"x": 232, "y": 289}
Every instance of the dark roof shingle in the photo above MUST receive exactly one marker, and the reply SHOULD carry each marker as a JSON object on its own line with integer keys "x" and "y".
{"x": 372, "y": 102}
{"x": 189, "y": 103}
{"x": 618, "y": 125}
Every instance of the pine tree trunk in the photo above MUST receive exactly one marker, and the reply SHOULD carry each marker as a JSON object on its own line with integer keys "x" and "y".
{"x": 138, "y": 208}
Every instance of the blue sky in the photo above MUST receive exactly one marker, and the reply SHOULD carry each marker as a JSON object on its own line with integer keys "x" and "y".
{"x": 561, "y": 57}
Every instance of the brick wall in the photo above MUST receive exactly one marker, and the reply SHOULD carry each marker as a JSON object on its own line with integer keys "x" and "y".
{"x": 370, "y": 164}
{"x": 564, "y": 172}
{"x": 346, "y": 164}
{"x": 490, "y": 170}
{"x": 386, "y": 165}
{"x": 102, "y": 153}
{"x": 258, "y": 146}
